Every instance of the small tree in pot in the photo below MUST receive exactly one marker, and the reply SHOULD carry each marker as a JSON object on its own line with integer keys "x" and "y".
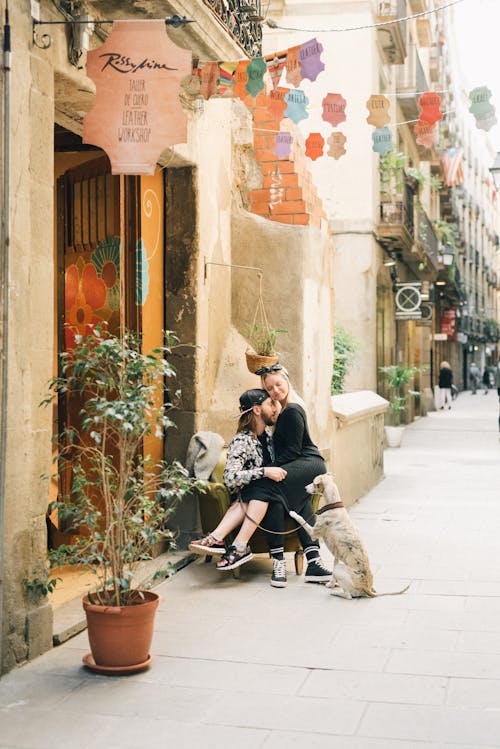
{"x": 119, "y": 500}
{"x": 398, "y": 376}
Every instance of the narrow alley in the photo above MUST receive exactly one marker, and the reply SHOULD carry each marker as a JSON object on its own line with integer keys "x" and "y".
{"x": 238, "y": 663}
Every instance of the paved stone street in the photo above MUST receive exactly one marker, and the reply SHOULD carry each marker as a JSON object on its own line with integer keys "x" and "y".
{"x": 238, "y": 663}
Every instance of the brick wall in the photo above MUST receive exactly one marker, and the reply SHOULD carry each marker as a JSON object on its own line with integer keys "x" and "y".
{"x": 287, "y": 194}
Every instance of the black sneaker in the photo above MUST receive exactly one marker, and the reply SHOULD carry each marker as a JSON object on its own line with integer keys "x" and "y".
{"x": 317, "y": 572}
{"x": 278, "y": 578}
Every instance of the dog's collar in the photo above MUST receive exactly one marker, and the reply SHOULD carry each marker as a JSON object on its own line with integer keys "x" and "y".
{"x": 331, "y": 506}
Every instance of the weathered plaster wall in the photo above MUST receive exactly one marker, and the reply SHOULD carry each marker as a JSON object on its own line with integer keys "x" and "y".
{"x": 27, "y": 627}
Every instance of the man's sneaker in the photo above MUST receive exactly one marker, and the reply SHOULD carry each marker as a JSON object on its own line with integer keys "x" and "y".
{"x": 207, "y": 545}
{"x": 317, "y": 572}
{"x": 278, "y": 578}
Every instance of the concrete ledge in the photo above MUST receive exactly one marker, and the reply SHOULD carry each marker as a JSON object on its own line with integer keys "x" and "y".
{"x": 358, "y": 442}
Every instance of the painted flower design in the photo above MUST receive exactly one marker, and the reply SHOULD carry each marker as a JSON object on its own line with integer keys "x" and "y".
{"x": 142, "y": 274}
{"x": 85, "y": 294}
{"x": 106, "y": 259}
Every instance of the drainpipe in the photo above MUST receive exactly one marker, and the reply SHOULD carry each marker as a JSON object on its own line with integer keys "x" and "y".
{"x": 4, "y": 280}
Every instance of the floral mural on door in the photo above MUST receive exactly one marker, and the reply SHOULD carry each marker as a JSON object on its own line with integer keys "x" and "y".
{"x": 92, "y": 290}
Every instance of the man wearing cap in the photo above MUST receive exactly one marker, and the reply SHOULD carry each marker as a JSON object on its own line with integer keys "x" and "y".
{"x": 250, "y": 476}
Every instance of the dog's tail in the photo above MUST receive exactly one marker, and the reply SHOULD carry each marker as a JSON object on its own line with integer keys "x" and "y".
{"x": 374, "y": 594}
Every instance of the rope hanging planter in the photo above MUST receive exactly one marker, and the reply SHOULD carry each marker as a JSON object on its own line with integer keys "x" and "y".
{"x": 263, "y": 336}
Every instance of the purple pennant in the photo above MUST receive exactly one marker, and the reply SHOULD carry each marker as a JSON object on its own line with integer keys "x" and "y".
{"x": 309, "y": 59}
{"x": 283, "y": 144}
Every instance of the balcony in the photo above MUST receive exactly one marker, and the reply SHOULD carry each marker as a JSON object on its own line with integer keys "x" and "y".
{"x": 411, "y": 82}
{"x": 426, "y": 237}
{"x": 392, "y": 39}
{"x": 396, "y": 229}
{"x": 242, "y": 18}
{"x": 418, "y": 6}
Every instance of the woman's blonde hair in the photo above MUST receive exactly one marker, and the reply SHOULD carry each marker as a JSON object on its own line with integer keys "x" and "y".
{"x": 293, "y": 396}
{"x": 444, "y": 364}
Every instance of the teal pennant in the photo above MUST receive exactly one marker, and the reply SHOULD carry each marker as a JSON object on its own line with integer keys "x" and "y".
{"x": 255, "y": 73}
{"x": 297, "y": 102}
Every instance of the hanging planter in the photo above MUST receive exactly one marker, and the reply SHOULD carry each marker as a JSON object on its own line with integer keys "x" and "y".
{"x": 262, "y": 338}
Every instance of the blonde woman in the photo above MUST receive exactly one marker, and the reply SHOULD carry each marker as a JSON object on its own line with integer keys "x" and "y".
{"x": 445, "y": 383}
{"x": 298, "y": 455}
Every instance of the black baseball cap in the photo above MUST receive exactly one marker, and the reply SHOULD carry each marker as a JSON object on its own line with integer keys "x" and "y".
{"x": 251, "y": 398}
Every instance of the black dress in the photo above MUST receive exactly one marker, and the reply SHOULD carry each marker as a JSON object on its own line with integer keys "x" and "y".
{"x": 297, "y": 454}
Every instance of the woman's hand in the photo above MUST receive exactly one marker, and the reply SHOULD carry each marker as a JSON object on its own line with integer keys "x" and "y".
{"x": 274, "y": 473}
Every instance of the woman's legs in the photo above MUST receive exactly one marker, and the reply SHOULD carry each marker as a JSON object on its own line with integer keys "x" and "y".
{"x": 239, "y": 552}
{"x": 446, "y": 397}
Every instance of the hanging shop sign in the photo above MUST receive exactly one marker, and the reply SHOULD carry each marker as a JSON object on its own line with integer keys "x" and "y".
{"x": 408, "y": 299}
{"x": 440, "y": 337}
{"x": 137, "y": 112}
{"x": 449, "y": 323}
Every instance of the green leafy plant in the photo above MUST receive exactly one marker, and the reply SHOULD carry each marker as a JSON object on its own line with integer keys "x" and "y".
{"x": 262, "y": 338}
{"x": 491, "y": 329}
{"x": 391, "y": 167}
{"x": 416, "y": 175}
{"x": 435, "y": 183}
{"x": 345, "y": 346}
{"x": 398, "y": 376}
{"x": 41, "y": 583}
{"x": 120, "y": 499}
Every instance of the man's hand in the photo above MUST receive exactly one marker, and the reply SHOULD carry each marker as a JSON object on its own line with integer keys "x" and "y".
{"x": 274, "y": 473}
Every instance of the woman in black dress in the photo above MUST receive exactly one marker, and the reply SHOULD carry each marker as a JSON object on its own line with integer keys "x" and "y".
{"x": 298, "y": 455}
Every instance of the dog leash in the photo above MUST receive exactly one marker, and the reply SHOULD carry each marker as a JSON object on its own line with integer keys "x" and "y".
{"x": 268, "y": 530}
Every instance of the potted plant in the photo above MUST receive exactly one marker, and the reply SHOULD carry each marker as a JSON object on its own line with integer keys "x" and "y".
{"x": 398, "y": 377}
{"x": 262, "y": 349}
{"x": 119, "y": 500}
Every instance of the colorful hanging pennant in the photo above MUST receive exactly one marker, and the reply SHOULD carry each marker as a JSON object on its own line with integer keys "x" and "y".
{"x": 309, "y": 59}
{"x": 275, "y": 69}
{"x": 297, "y": 102}
{"x": 283, "y": 144}
{"x": 293, "y": 68}
{"x": 241, "y": 79}
{"x": 255, "y": 73}
{"x": 378, "y": 106}
{"x": 425, "y": 134}
{"x": 337, "y": 142}
{"x": 382, "y": 140}
{"x": 209, "y": 77}
{"x": 314, "y": 146}
{"x": 226, "y": 78}
{"x": 481, "y": 107}
{"x": 277, "y": 103}
{"x": 334, "y": 109}
{"x": 430, "y": 103}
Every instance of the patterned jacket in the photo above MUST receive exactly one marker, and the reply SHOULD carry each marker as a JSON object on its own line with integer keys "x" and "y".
{"x": 245, "y": 460}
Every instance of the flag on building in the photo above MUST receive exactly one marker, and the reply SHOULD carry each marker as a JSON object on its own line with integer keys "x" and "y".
{"x": 452, "y": 160}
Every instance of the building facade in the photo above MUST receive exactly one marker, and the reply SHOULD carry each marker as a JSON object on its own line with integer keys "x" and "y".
{"x": 182, "y": 249}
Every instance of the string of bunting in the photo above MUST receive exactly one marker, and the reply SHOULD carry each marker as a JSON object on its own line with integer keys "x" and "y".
{"x": 261, "y": 80}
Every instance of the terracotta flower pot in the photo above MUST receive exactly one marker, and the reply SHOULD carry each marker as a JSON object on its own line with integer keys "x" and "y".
{"x": 120, "y": 636}
{"x": 255, "y": 361}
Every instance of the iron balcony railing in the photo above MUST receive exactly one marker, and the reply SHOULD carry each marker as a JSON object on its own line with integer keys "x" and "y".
{"x": 242, "y": 18}
{"x": 427, "y": 236}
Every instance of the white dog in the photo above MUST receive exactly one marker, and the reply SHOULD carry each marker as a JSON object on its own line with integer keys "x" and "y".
{"x": 352, "y": 577}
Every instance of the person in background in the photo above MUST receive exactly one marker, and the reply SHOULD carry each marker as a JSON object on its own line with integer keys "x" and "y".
{"x": 473, "y": 377}
{"x": 486, "y": 380}
{"x": 497, "y": 385}
{"x": 298, "y": 455}
{"x": 445, "y": 383}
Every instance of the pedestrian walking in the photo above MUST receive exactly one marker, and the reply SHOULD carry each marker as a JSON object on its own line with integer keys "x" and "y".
{"x": 486, "y": 380}
{"x": 497, "y": 385}
{"x": 474, "y": 377}
{"x": 445, "y": 385}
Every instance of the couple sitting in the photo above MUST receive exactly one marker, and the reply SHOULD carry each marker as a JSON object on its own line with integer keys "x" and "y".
{"x": 268, "y": 473}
